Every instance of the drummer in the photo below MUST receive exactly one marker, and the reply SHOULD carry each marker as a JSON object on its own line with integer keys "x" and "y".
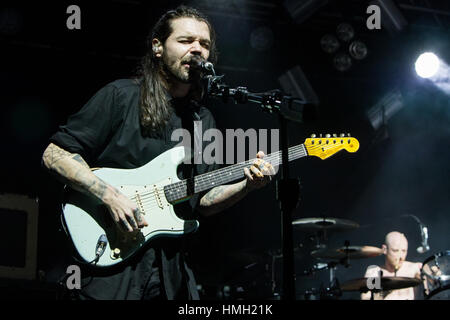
{"x": 395, "y": 249}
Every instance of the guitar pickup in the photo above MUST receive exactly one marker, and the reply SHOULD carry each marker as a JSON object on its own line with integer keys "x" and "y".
{"x": 138, "y": 200}
{"x": 157, "y": 196}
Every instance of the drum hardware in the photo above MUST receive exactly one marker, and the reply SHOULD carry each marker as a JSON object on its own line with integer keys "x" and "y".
{"x": 436, "y": 276}
{"x": 312, "y": 294}
{"x": 321, "y": 224}
{"x": 332, "y": 291}
{"x": 320, "y": 227}
{"x": 256, "y": 272}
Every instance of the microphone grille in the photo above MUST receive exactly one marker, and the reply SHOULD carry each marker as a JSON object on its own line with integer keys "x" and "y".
{"x": 208, "y": 65}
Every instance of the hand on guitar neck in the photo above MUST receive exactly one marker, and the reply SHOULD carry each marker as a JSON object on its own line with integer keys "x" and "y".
{"x": 259, "y": 174}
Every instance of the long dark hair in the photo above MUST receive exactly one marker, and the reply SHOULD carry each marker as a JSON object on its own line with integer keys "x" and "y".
{"x": 155, "y": 107}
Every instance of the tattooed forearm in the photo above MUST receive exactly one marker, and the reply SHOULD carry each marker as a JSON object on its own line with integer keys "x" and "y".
{"x": 78, "y": 158}
{"x": 213, "y": 195}
{"x": 53, "y": 154}
{"x": 94, "y": 186}
{"x": 222, "y": 197}
{"x": 71, "y": 169}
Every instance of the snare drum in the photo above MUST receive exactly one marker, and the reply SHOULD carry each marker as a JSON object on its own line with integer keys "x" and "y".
{"x": 436, "y": 276}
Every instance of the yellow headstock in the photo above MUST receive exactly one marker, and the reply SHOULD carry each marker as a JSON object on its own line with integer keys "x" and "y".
{"x": 325, "y": 147}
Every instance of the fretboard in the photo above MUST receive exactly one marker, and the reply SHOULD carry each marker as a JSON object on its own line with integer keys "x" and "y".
{"x": 185, "y": 188}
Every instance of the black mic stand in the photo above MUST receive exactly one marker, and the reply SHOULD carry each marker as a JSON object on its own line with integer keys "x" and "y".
{"x": 288, "y": 189}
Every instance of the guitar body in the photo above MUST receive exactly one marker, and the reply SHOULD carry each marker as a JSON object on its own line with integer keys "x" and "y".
{"x": 87, "y": 219}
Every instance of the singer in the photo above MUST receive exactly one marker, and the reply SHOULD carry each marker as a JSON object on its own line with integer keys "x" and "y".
{"x": 395, "y": 248}
{"x": 127, "y": 124}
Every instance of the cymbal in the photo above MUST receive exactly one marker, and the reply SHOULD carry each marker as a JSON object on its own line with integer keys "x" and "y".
{"x": 320, "y": 224}
{"x": 352, "y": 252}
{"x": 387, "y": 283}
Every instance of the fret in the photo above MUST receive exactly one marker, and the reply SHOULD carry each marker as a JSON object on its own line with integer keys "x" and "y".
{"x": 188, "y": 187}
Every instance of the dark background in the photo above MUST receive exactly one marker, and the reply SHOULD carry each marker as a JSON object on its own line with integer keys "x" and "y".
{"x": 48, "y": 72}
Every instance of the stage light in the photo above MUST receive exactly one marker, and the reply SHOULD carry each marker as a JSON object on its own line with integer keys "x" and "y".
{"x": 358, "y": 50}
{"x": 342, "y": 62}
{"x": 385, "y": 108}
{"x": 427, "y": 65}
{"x": 329, "y": 43}
{"x": 345, "y": 32}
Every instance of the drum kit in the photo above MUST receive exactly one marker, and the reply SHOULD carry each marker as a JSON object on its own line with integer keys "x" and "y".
{"x": 331, "y": 258}
{"x": 435, "y": 274}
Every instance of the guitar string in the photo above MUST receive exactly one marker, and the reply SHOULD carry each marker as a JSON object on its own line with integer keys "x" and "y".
{"x": 151, "y": 204}
{"x": 225, "y": 171}
{"x": 179, "y": 192}
{"x": 275, "y": 156}
{"x": 220, "y": 178}
{"x": 198, "y": 179}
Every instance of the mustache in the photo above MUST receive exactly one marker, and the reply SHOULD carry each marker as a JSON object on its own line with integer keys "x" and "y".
{"x": 194, "y": 61}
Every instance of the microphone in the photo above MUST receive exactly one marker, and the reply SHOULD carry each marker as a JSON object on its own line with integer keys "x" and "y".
{"x": 424, "y": 234}
{"x": 197, "y": 63}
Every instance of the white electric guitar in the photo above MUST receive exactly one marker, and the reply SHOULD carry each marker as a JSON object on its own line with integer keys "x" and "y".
{"x": 155, "y": 188}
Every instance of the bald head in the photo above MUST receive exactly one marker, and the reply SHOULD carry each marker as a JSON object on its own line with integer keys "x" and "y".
{"x": 395, "y": 239}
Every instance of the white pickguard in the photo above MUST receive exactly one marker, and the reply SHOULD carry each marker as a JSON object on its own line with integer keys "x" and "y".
{"x": 87, "y": 220}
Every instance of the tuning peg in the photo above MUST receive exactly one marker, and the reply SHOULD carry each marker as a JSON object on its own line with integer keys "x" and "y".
{"x": 342, "y": 135}
{"x": 313, "y": 135}
{"x": 348, "y": 134}
{"x": 334, "y": 135}
{"x": 320, "y": 136}
{"x": 328, "y": 135}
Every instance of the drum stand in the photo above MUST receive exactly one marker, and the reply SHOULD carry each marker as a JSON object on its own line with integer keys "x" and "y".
{"x": 321, "y": 238}
{"x": 333, "y": 290}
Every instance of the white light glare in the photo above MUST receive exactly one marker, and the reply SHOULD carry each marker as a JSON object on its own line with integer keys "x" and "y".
{"x": 427, "y": 65}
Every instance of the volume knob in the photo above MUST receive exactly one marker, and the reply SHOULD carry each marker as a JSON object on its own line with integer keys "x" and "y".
{"x": 115, "y": 254}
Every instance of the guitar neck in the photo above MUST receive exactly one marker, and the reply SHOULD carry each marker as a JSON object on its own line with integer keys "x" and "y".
{"x": 185, "y": 188}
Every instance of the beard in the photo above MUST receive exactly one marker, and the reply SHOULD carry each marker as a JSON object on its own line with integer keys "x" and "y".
{"x": 180, "y": 73}
{"x": 177, "y": 72}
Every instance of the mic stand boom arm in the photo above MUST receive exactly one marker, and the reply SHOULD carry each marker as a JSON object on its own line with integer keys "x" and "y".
{"x": 288, "y": 189}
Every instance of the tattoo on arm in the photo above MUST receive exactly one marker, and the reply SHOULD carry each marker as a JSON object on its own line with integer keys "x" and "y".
{"x": 95, "y": 186}
{"x": 213, "y": 195}
{"x": 53, "y": 154}
{"x": 222, "y": 197}
{"x": 79, "y": 159}
{"x": 73, "y": 170}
